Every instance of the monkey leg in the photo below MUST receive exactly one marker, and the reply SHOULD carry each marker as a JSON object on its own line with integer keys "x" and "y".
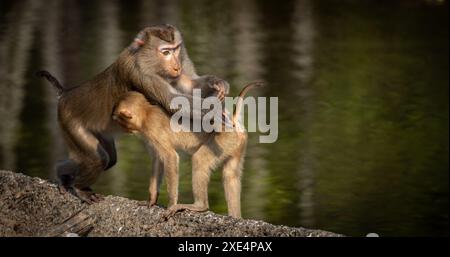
{"x": 66, "y": 170}
{"x": 155, "y": 180}
{"x": 87, "y": 159}
{"x": 169, "y": 160}
{"x": 202, "y": 162}
{"x": 231, "y": 177}
{"x": 228, "y": 146}
{"x": 109, "y": 146}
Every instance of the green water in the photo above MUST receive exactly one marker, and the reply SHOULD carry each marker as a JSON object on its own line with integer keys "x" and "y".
{"x": 363, "y": 102}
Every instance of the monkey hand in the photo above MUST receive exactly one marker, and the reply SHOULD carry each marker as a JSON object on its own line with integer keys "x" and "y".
{"x": 124, "y": 120}
{"x": 221, "y": 87}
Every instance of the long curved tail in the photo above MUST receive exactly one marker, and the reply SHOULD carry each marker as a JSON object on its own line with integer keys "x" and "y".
{"x": 237, "y": 110}
{"x": 51, "y": 79}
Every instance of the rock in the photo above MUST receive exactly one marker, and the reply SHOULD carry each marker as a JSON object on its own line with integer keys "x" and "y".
{"x": 35, "y": 207}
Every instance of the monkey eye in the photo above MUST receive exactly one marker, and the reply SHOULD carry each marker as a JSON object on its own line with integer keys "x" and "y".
{"x": 166, "y": 52}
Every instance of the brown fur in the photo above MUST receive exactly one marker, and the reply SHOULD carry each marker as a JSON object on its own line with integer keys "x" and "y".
{"x": 84, "y": 111}
{"x": 208, "y": 150}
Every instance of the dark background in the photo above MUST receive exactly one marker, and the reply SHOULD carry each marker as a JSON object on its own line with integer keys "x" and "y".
{"x": 363, "y": 101}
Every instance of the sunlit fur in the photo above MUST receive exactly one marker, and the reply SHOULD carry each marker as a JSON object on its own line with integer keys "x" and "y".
{"x": 84, "y": 111}
{"x": 208, "y": 150}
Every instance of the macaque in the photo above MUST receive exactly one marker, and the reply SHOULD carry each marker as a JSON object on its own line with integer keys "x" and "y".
{"x": 136, "y": 115}
{"x": 155, "y": 64}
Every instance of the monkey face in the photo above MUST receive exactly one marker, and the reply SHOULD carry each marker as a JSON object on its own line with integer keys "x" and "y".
{"x": 169, "y": 57}
{"x": 158, "y": 50}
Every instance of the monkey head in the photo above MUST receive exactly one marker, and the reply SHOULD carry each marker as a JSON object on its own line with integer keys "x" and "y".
{"x": 130, "y": 112}
{"x": 159, "y": 49}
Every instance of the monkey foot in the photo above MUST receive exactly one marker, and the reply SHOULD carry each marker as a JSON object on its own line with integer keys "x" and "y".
{"x": 181, "y": 207}
{"x": 86, "y": 195}
{"x": 91, "y": 195}
{"x": 143, "y": 203}
{"x": 147, "y": 203}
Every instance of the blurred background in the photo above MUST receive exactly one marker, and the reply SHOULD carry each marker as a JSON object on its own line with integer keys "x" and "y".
{"x": 363, "y": 102}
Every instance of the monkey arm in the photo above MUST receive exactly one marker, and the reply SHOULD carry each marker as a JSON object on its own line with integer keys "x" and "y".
{"x": 210, "y": 85}
{"x": 190, "y": 80}
{"x": 157, "y": 89}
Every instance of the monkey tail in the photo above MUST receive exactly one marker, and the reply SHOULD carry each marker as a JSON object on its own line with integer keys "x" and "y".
{"x": 51, "y": 79}
{"x": 237, "y": 110}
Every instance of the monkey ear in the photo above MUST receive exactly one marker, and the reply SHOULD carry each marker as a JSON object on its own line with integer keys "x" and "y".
{"x": 138, "y": 42}
{"x": 126, "y": 114}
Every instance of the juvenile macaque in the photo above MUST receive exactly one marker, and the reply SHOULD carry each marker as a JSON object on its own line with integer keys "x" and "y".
{"x": 136, "y": 115}
{"x": 155, "y": 64}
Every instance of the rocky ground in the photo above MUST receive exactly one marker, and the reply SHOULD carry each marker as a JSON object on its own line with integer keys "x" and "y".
{"x": 34, "y": 207}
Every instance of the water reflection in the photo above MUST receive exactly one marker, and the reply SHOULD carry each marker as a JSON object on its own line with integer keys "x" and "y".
{"x": 363, "y": 141}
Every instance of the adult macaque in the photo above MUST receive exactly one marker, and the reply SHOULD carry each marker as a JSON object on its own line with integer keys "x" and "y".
{"x": 155, "y": 64}
{"x": 135, "y": 114}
